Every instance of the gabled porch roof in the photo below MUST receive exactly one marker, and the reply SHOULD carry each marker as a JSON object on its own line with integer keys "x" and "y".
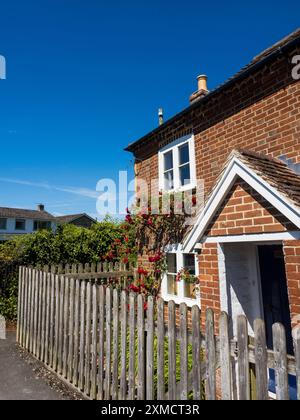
{"x": 271, "y": 178}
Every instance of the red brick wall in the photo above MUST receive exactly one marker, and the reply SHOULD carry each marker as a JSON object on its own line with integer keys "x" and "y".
{"x": 291, "y": 251}
{"x": 244, "y": 211}
{"x": 209, "y": 279}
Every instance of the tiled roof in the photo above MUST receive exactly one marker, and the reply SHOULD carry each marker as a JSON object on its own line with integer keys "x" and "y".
{"x": 25, "y": 214}
{"x": 274, "y": 171}
{"x": 71, "y": 217}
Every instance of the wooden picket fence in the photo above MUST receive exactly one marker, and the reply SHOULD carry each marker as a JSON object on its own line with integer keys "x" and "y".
{"x": 109, "y": 345}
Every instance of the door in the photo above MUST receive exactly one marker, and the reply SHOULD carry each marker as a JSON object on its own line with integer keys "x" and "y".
{"x": 275, "y": 300}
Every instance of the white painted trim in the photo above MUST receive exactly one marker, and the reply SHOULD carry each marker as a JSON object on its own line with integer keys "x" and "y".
{"x": 174, "y": 146}
{"x": 180, "y": 298}
{"x": 236, "y": 169}
{"x": 259, "y": 237}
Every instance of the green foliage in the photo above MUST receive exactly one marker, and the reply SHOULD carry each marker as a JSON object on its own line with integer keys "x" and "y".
{"x": 69, "y": 245}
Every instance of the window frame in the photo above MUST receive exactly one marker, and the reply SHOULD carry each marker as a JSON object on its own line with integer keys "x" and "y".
{"x": 38, "y": 222}
{"x": 5, "y": 220}
{"x": 180, "y": 297}
{"x": 20, "y": 220}
{"x": 174, "y": 147}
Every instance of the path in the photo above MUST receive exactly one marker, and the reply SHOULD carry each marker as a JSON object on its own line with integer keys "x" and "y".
{"x": 18, "y": 381}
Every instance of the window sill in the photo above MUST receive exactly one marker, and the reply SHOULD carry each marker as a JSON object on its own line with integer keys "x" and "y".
{"x": 178, "y": 300}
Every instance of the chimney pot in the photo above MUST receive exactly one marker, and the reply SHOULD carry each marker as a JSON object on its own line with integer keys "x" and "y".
{"x": 202, "y": 89}
{"x": 202, "y": 82}
{"x": 41, "y": 207}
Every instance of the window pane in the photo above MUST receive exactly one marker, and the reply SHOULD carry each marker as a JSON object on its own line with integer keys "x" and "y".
{"x": 189, "y": 263}
{"x": 185, "y": 176}
{"x": 172, "y": 263}
{"x": 169, "y": 180}
{"x": 3, "y": 223}
{"x": 20, "y": 224}
{"x": 189, "y": 291}
{"x": 184, "y": 155}
{"x": 168, "y": 161}
{"x": 172, "y": 285}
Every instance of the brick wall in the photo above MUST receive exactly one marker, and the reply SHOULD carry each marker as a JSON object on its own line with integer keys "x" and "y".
{"x": 291, "y": 251}
{"x": 244, "y": 211}
{"x": 209, "y": 279}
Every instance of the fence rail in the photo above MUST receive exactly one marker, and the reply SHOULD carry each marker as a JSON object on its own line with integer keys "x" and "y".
{"x": 110, "y": 345}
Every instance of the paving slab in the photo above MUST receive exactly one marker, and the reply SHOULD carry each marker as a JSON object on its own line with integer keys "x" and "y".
{"x": 18, "y": 380}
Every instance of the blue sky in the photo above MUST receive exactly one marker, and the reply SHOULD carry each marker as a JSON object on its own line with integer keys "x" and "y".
{"x": 86, "y": 77}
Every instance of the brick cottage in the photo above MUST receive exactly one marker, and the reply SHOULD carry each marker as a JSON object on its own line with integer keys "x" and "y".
{"x": 243, "y": 140}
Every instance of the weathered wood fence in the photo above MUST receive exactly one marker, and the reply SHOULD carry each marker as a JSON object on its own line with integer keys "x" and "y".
{"x": 110, "y": 345}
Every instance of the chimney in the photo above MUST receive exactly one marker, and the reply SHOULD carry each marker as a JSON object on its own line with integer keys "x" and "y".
{"x": 202, "y": 89}
{"x": 40, "y": 207}
{"x": 160, "y": 116}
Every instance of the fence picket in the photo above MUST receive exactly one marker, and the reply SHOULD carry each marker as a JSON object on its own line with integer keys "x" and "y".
{"x": 141, "y": 349}
{"x": 243, "y": 358}
{"x": 183, "y": 352}
{"x": 101, "y": 343}
{"x": 123, "y": 384}
{"x": 71, "y": 332}
{"x": 150, "y": 350}
{"x": 210, "y": 355}
{"x": 196, "y": 353}
{"x": 61, "y": 324}
{"x": 225, "y": 362}
{"x": 132, "y": 352}
{"x": 261, "y": 360}
{"x": 280, "y": 358}
{"x": 76, "y": 331}
{"x": 20, "y": 288}
{"x": 66, "y": 330}
{"x": 82, "y": 335}
{"x": 47, "y": 320}
{"x": 88, "y": 324}
{"x": 172, "y": 350}
{"x": 94, "y": 342}
{"x": 160, "y": 350}
{"x": 107, "y": 392}
{"x": 56, "y": 323}
{"x": 52, "y": 318}
{"x": 115, "y": 375}
{"x": 35, "y": 316}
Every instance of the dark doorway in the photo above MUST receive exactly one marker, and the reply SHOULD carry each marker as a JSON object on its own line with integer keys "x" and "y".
{"x": 274, "y": 292}
{"x": 275, "y": 302}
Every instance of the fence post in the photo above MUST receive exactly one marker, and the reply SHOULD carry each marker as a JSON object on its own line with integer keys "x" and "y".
{"x": 132, "y": 352}
{"x": 141, "y": 348}
{"x": 160, "y": 349}
{"x": 150, "y": 350}
{"x": 115, "y": 344}
{"x": 101, "y": 343}
{"x": 108, "y": 345}
{"x": 172, "y": 350}
{"x": 225, "y": 359}
{"x": 183, "y": 352}
{"x": 123, "y": 344}
{"x": 196, "y": 337}
{"x": 261, "y": 360}
{"x": 243, "y": 358}
{"x": 280, "y": 360}
{"x": 210, "y": 355}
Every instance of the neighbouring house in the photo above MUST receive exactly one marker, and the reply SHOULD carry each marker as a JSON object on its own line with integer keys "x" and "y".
{"x": 243, "y": 140}
{"x": 81, "y": 220}
{"x": 20, "y": 221}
